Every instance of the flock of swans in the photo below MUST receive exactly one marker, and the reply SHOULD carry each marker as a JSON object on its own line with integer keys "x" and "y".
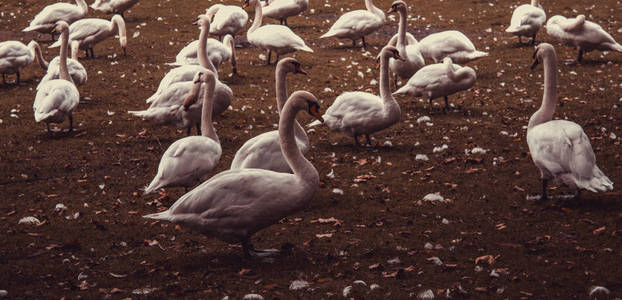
{"x": 234, "y": 204}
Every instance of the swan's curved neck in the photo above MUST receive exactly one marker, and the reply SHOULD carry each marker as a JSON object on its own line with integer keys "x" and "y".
{"x": 202, "y": 50}
{"x": 64, "y": 72}
{"x": 302, "y": 168}
{"x": 385, "y": 88}
{"x": 258, "y": 16}
{"x": 535, "y": 3}
{"x": 369, "y": 4}
{"x": 207, "y": 127}
{"x": 401, "y": 31}
{"x": 281, "y": 99}
{"x": 549, "y": 99}
{"x": 83, "y": 6}
{"x": 35, "y": 49}
{"x": 117, "y": 24}
{"x": 230, "y": 42}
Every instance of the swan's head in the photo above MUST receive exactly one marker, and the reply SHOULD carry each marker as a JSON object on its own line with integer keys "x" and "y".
{"x": 542, "y": 50}
{"x": 60, "y": 26}
{"x": 246, "y": 4}
{"x": 194, "y": 93}
{"x": 303, "y": 100}
{"x": 396, "y": 6}
{"x": 290, "y": 65}
{"x": 388, "y": 52}
{"x": 202, "y": 20}
{"x": 447, "y": 60}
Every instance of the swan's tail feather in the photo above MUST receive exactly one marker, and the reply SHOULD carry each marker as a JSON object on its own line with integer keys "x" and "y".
{"x": 314, "y": 123}
{"x": 402, "y": 91}
{"x": 330, "y": 33}
{"x": 601, "y": 182}
{"x": 477, "y": 54}
{"x": 305, "y": 48}
{"x": 174, "y": 64}
{"x": 152, "y": 187}
{"x": 616, "y": 47}
{"x": 165, "y": 215}
{"x": 33, "y": 28}
{"x": 55, "y": 45}
{"x": 40, "y": 116}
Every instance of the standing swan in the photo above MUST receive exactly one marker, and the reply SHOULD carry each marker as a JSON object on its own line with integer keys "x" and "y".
{"x": 59, "y": 97}
{"x": 85, "y": 33}
{"x": 413, "y": 60}
{"x": 14, "y": 55}
{"x": 45, "y": 21}
{"x": 264, "y": 151}
{"x": 76, "y": 71}
{"x": 188, "y": 160}
{"x": 226, "y": 19}
{"x": 583, "y": 35}
{"x": 113, "y": 6}
{"x": 217, "y": 52}
{"x": 357, "y": 24}
{"x": 283, "y": 9}
{"x": 527, "y": 20}
{"x": 451, "y": 43}
{"x": 277, "y": 38}
{"x": 560, "y": 148}
{"x": 357, "y": 113}
{"x": 235, "y": 204}
{"x": 439, "y": 80}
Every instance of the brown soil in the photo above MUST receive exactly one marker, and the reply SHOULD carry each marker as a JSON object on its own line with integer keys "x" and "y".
{"x": 552, "y": 250}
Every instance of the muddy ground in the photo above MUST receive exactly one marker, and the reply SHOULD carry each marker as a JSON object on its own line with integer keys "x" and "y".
{"x": 382, "y": 233}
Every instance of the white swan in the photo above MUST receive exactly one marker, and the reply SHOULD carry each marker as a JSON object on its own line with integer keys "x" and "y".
{"x": 264, "y": 151}
{"x": 439, "y": 80}
{"x": 277, "y": 38}
{"x": 188, "y": 160}
{"x": 413, "y": 60}
{"x": 283, "y": 9}
{"x": 166, "y": 102}
{"x": 113, "y": 6}
{"x": 450, "y": 43}
{"x": 76, "y": 71}
{"x": 217, "y": 52}
{"x": 226, "y": 19}
{"x": 88, "y": 32}
{"x": 357, "y": 24}
{"x": 527, "y": 20}
{"x": 45, "y": 21}
{"x": 360, "y": 113}
{"x": 14, "y": 55}
{"x": 235, "y": 204}
{"x": 560, "y": 148}
{"x": 57, "y": 98}
{"x": 581, "y": 34}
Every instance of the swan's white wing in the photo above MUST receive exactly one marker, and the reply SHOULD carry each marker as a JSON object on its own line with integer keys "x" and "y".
{"x": 264, "y": 152}
{"x": 76, "y": 71}
{"x": 276, "y": 37}
{"x": 179, "y": 74}
{"x": 13, "y": 55}
{"x": 229, "y": 20}
{"x": 354, "y": 23}
{"x": 354, "y": 110}
{"x": 55, "y": 99}
{"x": 82, "y": 29}
{"x": 55, "y": 12}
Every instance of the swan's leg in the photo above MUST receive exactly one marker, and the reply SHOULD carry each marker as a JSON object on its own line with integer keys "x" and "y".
{"x": 353, "y": 43}
{"x": 286, "y": 22}
{"x": 281, "y": 21}
{"x": 544, "y": 184}
{"x": 3, "y": 78}
{"x": 278, "y": 56}
{"x": 533, "y": 39}
{"x": 188, "y": 131}
{"x": 92, "y": 53}
{"x": 395, "y": 81}
{"x": 446, "y": 105}
{"x": 520, "y": 40}
{"x": 250, "y": 251}
{"x": 430, "y": 100}
{"x": 368, "y": 139}
{"x": 17, "y": 77}
{"x": 47, "y": 126}
{"x": 198, "y": 128}
{"x": 580, "y": 55}
{"x": 364, "y": 44}
{"x": 53, "y": 38}
{"x": 356, "y": 141}
{"x": 70, "y": 122}
{"x": 269, "y": 56}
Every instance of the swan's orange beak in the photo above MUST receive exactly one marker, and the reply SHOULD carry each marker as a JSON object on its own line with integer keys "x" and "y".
{"x": 392, "y": 9}
{"x": 535, "y": 63}
{"x": 189, "y": 101}
{"x": 398, "y": 57}
{"x": 378, "y": 63}
{"x": 246, "y": 4}
{"x": 315, "y": 111}
{"x": 299, "y": 70}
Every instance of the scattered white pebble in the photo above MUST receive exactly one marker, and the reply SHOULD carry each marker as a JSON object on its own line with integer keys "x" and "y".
{"x": 136, "y": 34}
{"x": 252, "y": 297}
{"x": 30, "y": 220}
{"x": 428, "y": 246}
{"x": 435, "y": 198}
{"x": 599, "y": 290}
{"x": 494, "y": 273}
{"x": 331, "y": 175}
{"x": 60, "y": 207}
{"x": 160, "y": 19}
{"x": 394, "y": 261}
{"x": 262, "y": 56}
{"x": 423, "y": 119}
{"x": 388, "y": 144}
{"x": 422, "y": 157}
{"x": 374, "y": 286}
{"x": 445, "y": 221}
{"x": 612, "y": 136}
{"x": 337, "y": 191}
{"x": 298, "y": 285}
{"x": 478, "y": 150}
{"x": 4, "y": 293}
{"x": 110, "y": 113}
{"x": 435, "y": 260}
{"x": 440, "y": 149}
{"x": 346, "y": 291}
{"x": 328, "y": 90}
{"x": 373, "y": 82}
{"x": 425, "y": 295}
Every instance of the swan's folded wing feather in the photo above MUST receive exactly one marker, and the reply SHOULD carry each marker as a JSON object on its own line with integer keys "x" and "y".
{"x": 55, "y": 12}
{"x": 85, "y": 28}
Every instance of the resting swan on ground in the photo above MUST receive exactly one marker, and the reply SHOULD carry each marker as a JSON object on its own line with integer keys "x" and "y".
{"x": 226, "y": 19}
{"x": 277, "y": 38}
{"x": 76, "y": 71}
{"x": 439, "y": 80}
{"x": 527, "y": 20}
{"x": 413, "y": 60}
{"x": 166, "y": 102}
{"x": 57, "y": 98}
{"x": 45, "y": 21}
{"x": 86, "y": 33}
{"x": 360, "y": 113}
{"x": 218, "y": 53}
{"x": 113, "y": 6}
{"x": 450, "y": 43}
{"x": 264, "y": 151}
{"x": 187, "y": 161}
{"x": 560, "y": 148}
{"x": 584, "y": 35}
{"x": 357, "y": 24}
{"x": 235, "y": 204}
{"x": 14, "y": 55}
{"x": 283, "y": 9}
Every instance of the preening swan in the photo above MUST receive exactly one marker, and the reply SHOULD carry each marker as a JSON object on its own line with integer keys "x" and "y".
{"x": 527, "y": 20}
{"x": 581, "y": 34}
{"x": 45, "y": 21}
{"x": 57, "y": 98}
{"x": 76, "y": 71}
{"x": 357, "y": 24}
{"x": 264, "y": 151}
{"x": 217, "y": 52}
{"x": 188, "y": 160}
{"x": 450, "y": 43}
{"x": 413, "y": 60}
{"x": 560, "y": 148}
{"x": 277, "y": 38}
{"x": 283, "y": 9}
{"x": 235, "y": 204}
{"x": 88, "y": 32}
{"x": 439, "y": 80}
{"x": 360, "y": 113}
{"x": 226, "y": 19}
{"x": 14, "y": 55}
{"x": 113, "y": 6}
